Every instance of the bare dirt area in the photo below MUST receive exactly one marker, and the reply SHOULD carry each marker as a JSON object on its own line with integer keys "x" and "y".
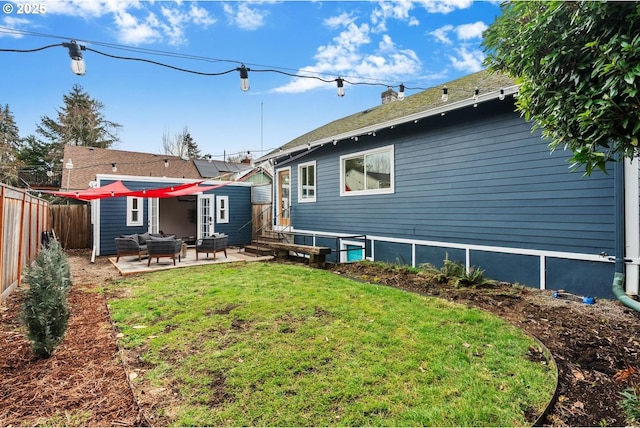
{"x": 84, "y": 383}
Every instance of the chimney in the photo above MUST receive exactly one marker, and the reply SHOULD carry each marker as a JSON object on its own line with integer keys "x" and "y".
{"x": 389, "y": 96}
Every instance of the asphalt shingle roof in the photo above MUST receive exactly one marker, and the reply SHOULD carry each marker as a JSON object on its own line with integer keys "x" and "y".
{"x": 90, "y": 161}
{"x": 458, "y": 90}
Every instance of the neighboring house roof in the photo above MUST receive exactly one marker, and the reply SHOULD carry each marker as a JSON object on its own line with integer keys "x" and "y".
{"x": 89, "y": 162}
{"x": 423, "y": 104}
{"x": 221, "y": 169}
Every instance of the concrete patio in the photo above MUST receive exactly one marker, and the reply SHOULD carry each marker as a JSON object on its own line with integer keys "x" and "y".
{"x": 129, "y": 265}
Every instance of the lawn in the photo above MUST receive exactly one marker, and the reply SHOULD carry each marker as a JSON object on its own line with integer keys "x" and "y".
{"x": 286, "y": 345}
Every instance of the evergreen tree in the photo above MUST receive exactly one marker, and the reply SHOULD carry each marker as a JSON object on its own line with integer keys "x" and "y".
{"x": 45, "y": 311}
{"x": 80, "y": 122}
{"x": 9, "y": 141}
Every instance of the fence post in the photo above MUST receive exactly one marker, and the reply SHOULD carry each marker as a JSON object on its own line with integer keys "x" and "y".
{"x": 3, "y": 192}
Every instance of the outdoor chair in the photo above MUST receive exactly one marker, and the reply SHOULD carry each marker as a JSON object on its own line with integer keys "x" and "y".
{"x": 129, "y": 245}
{"x": 164, "y": 247}
{"x": 212, "y": 244}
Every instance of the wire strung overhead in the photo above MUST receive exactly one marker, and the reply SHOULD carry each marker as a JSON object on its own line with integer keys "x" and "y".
{"x": 78, "y": 66}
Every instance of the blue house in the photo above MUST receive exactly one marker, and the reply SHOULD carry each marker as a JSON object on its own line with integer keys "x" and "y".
{"x": 223, "y": 209}
{"x": 226, "y": 209}
{"x": 455, "y": 174}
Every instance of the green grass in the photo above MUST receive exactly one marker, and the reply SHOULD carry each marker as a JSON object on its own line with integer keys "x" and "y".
{"x": 270, "y": 344}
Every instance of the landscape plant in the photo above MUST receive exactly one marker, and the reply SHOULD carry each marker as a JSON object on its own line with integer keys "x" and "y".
{"x": 45, "y": 311}
{"x": 285, "y": 345}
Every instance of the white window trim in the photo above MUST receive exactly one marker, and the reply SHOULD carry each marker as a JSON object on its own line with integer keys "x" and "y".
{"x": 344, "y": 254}
{"x": 130, "y": 210}
{"x": 220, "y": 201}
{"x": 392, "y": 186}
{"x": 315, "y": 181}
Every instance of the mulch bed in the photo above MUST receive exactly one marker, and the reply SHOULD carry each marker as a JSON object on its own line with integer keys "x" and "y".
{"x": 84, "y": 383}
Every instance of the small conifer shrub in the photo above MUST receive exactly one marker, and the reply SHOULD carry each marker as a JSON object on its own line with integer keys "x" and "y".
{"x": 45, "y": 311}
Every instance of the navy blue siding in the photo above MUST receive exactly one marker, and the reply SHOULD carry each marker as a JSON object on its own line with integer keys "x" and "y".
{"x": 392, "y": 252}
{"x": 239, "y": 214}
{"x": 477, "y": 176}
{"x": 581, "y": 277}
{"x": 435, "y": 256}
{"x": 113, "y": 217}
{"x": 512, "y": 268}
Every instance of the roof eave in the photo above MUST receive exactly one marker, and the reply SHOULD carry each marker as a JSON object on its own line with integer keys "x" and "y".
{"x": 443, "y": 109}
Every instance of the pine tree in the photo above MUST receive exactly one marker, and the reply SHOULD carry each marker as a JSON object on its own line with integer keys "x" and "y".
{"x": 80, "y": 122}
{"x": 45, "y": 311}
{"x": 9, "y": 142}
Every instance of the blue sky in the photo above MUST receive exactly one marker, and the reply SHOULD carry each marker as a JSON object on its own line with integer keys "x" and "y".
{"x": 421, "y": 44}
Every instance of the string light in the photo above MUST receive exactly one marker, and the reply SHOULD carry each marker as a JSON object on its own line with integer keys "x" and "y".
{"x": 78, "y": 65}
{"x": 75, "y": 52}
{"x": 114, "y": 168}
{"x": 340, "y": 83}
{"x": 244, "y": 78}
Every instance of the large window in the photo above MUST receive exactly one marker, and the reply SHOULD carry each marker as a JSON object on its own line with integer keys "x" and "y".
{"x": 134, "y": 211}
{"x": 369, "y": 172}
{"x": 307, "y": 182}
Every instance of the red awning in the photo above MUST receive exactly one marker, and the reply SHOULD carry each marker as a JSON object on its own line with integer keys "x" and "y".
{"x": 165, "y": 192}
{"x": 112, "y": 190}
{"x": 117, "y": 189}
{"x": 192, "y": 190}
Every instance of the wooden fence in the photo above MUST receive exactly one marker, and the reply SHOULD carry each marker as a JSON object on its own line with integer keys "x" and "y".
{"x": 72, "y": 225}
{"x": 23, "y": 219}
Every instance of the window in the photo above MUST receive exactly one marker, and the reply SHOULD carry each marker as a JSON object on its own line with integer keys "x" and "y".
{"x": 351, "y": 251}
{"x": 307, "y": 182}
{"x": 222, "y": 209}
{"x": 369, "y": 172}
{"x": 134, "y": 211}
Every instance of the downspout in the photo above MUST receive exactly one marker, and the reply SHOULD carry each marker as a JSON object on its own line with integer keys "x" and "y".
{"x": 618, "y": 200}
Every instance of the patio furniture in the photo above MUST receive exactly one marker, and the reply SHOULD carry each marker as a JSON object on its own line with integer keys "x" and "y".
{"x": 129, "y": 245}
{"x": 212, "y": 244}
{"x": 164, "y": 247}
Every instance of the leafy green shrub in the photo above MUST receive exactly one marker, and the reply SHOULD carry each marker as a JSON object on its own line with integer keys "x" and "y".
{"x": 456, "y": 273}
{"x": 45, "y": 311}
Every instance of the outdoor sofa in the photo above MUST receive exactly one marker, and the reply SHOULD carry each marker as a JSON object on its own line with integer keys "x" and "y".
{"x": 133, "y": 245}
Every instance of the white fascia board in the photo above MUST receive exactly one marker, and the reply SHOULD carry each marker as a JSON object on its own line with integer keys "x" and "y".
{"x": 443, "y": 109}
{"x": 205, "y": 182}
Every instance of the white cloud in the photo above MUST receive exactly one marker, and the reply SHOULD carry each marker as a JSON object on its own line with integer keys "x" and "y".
{"x": 91, "y": 9}
{"x": 133, "y": 31}
{"x": 467, "y": 61}
{"x": 244, "y": 16}
{"x": 398, "y": 10}
{"x": 444, "y": 6}
{"x": 200, "y": 16}
{"x": 135, "y": 22}
{"x": 342, "y": 20}
{"x": 346, "y": 57}
{"x": 442, "y": 34}
{"x": 471, "y": 31}
{"x": 13, "y": 22}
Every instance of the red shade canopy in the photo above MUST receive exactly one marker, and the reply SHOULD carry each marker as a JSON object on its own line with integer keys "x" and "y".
{"x": 108, "y": 191}
{"x": 117, "y": 189}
